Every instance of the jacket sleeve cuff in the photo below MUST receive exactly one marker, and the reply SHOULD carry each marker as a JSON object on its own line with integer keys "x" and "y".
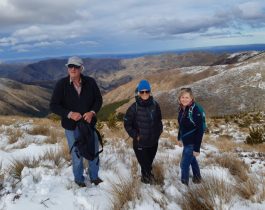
{"x": 69, "y": 115}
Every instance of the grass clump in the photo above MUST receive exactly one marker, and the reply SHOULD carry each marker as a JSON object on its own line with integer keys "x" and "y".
{"x": 40, "y": 130}
{"x": 256, "y": 136}
{"x": 14, "y": 135}
{"x": 203, "y": 196}
{"x": 122, "y": 192}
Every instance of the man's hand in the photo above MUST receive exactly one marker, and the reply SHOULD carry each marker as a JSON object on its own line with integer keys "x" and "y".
{"x": 138, "y": 138}
{"x": 75, "y": 116}
{"x": 196, "y": 154}
{"x": 179, "y": 143}
{"x": 88, "y": 116}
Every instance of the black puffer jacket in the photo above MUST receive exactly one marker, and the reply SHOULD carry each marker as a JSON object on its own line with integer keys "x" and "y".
{"x": 143, "y": 119}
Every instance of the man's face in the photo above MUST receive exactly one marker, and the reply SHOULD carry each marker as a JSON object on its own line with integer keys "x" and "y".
{"x": 74, "y": 71}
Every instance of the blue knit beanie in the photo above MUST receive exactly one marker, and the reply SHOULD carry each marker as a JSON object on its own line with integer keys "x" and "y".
{"x": 143, "y": 85}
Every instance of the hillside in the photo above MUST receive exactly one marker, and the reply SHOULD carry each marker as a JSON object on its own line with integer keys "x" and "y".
{"x": 223, "y": 84}
{"x": 221, "y": 89}
{"x": 21, "y": 99}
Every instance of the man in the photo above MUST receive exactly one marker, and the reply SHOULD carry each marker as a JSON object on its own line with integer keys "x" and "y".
{"x": 75, "y": 97}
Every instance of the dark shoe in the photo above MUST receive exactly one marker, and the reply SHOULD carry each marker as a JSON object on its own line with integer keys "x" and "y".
{"x": 196, "y": 180}
{"x": 145, "y": 180}
{"x": 96, "y": 181}
{"x": 152, "y": 179}
{"x": 80, "y": 184}
{"x": 185, "y": 182}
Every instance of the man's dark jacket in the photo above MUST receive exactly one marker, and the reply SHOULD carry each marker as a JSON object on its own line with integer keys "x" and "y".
{"x": 143, "y": 119}
{"x": 65, "y": 99}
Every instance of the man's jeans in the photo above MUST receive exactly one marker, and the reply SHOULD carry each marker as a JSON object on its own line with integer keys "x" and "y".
{"x": 187, "y": 160}
{"x": 77, "y": 163}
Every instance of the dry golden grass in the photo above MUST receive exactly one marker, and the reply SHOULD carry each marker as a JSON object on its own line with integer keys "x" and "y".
{"x": 16, "y": 166}
{"x": 248, "y": 188}
{"x": 203, "y": 196}
{"x": 40, "y": 130}
{"x": 65, "y": 152}
{"x": 55, "y": 156}
{"x": 238, "y": 168}
{"x": 159, "y": 173}
{"x": 261, "y": 196}
{"x": 13, "y": 135}
{"x": 122, "y": 192}
{"x": 9, "y": 120}
{"x": 52, "y": 138}
{"x": 223, "y": 143}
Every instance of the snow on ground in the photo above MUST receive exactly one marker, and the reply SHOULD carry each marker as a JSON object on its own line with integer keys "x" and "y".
{"x": 48, "y": 186}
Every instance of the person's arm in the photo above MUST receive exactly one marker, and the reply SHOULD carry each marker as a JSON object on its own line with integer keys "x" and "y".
{"x": 97, "y": 100}
{"x": 129, "y": 122}
{"x": 57, "y": 100}
{"x": 159, "y": 116}
{"x": 198, "y": 120}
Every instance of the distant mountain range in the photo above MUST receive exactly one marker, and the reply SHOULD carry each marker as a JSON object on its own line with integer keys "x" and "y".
{"x": 167, "y": 72}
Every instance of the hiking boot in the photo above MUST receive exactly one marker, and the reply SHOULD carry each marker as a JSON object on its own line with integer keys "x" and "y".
{"x": 152, "y": 179}
{"x": 80, "y": 184}
{"x": 96, "y": 181}
{"x": 145, "y": 180}
{"x": 196, "y": 180}
{"x": 185, "y": 182}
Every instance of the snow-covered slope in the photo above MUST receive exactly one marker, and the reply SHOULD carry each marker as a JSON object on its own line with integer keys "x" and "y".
{"x": 49, "y": 183}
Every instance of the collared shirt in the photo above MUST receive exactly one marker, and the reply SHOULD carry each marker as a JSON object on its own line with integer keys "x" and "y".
{"x": 77, "y": 85}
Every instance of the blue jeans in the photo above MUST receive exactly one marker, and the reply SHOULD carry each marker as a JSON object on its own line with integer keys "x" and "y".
{"x": 189, "y": 159}
{"x": 77, "y": 163}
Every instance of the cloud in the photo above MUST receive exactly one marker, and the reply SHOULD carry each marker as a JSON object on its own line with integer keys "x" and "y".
{"x": 30, "y": 24}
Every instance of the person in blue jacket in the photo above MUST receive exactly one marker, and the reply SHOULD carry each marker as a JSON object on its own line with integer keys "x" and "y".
{"x": 190, "y": 135}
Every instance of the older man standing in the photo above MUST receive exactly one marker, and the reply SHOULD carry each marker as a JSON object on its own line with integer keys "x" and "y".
{"x": 75, "y": 97}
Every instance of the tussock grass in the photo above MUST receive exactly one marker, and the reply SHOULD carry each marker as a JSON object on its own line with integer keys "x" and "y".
{"x": 8, "y": 120}
{"x": 248, "y": 188}
{"x": 159, "y": 172}
{"x": 203, "y": 196}
{"x": 55, "y": 156}
{"x": 14, "y": 135}
{"x": 236, "y": 167}
{"x": 52, "y": 138}
{"x": 122, "y": 192}
{"x": 40, "y": 130}
{"x": 64, "y": 150}
{"x": 16, "y": 166}
{"x": 224, "y": 144}
{"x": 261, "y": 196}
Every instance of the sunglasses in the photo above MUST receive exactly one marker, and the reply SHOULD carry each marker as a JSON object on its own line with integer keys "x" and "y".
{"x": 71, "y": 66}
{"x": 186, "y": 88}
{"x": 144, "y": 91}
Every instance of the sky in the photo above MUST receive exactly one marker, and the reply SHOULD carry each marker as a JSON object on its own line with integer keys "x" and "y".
{"x": 37, "y": 28}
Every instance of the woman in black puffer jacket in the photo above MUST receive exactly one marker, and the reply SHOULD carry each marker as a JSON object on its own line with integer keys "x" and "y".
{"x": 143, "y": 122}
